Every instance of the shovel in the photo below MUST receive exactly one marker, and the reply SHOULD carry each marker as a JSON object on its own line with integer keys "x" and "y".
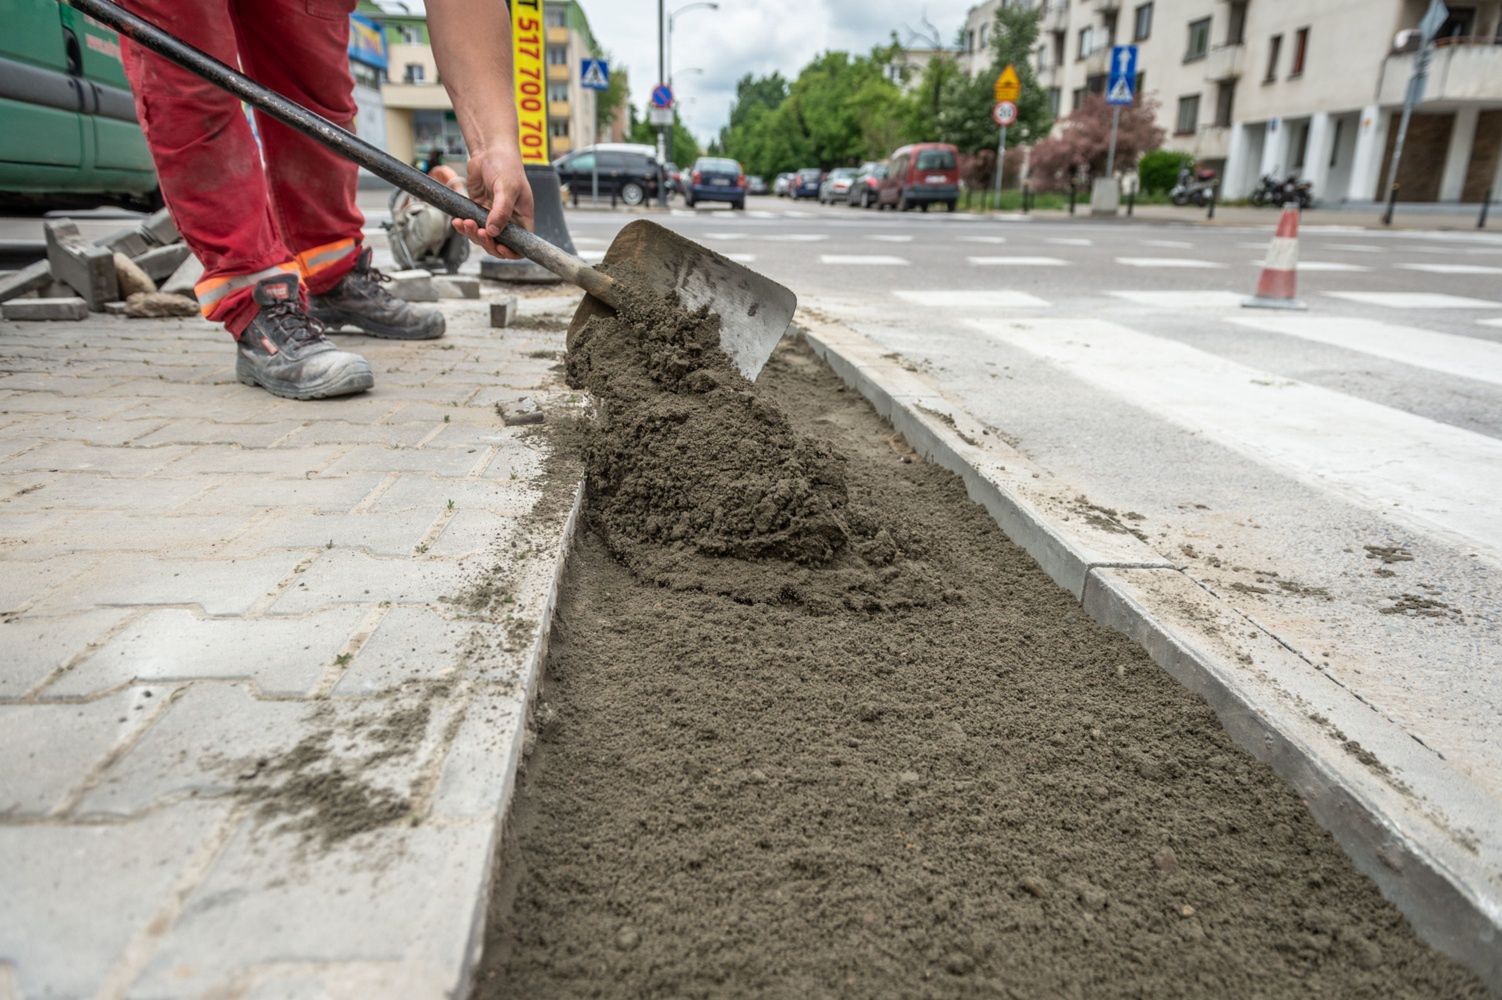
{"x": 754, "y": 311}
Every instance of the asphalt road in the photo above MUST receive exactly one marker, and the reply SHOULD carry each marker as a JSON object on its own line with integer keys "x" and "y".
{"x": 1333, "y": 473}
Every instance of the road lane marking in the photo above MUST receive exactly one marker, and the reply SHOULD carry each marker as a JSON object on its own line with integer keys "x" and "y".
{"x": 594, "y": 255}
{"x": 881, "y": 260}
{"x": 724, "y": 236}
{"x": 797, "y": 237}
{"x": 1467, "y": 357}
{"x": 960, "y": 299}
{"x": 1452, "y": 268}
{"x": 1320, "y": 265}
{"x": 1182, "y": 300}
{"x": 1173, "y": 244}
{"x": 1016, "y": 261}
{"x": 1166, "y": 262}
{"x": 1414, "y": 300}
{"x": 742, "y": 258}
{"x": 1430, "y": 475}
{"x": 1071, "y": 241}
{"x": 1356, "y": 247}
{"x": 1490, "y": 322}
{"x": 889, "y": 238}
{"x": 984, "y": 239}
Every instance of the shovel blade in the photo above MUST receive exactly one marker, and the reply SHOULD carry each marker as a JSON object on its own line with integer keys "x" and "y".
{"x": 754, "y": 310}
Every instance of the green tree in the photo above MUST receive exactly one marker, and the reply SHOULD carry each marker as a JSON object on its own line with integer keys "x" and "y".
{"x": 685, "y": 146}
{"x": 1014, "y": 39}
{"x": 608, "y": 103}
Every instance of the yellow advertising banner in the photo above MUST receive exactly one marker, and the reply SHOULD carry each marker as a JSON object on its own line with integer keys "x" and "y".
{"x": 531, "y": 86}
{"x": 1008, "y": 85}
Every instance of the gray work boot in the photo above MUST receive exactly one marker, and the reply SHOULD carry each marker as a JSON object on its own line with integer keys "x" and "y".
{"x": 284, "y": 351}
{"x": 360, "y": 301}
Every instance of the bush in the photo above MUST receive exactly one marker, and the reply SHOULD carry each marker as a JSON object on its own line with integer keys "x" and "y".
{"x": 1158, "y": 171}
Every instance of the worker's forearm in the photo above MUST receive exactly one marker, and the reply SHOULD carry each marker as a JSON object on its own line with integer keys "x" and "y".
{"x": 472, "y": 43}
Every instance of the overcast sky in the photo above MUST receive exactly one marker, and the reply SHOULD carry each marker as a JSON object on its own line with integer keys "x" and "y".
{"x": 750, "y": 36}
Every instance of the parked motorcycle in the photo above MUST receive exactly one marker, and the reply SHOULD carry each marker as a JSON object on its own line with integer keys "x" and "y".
{"x": 1193, "y": 188}
{"x": 1290, "y": 190}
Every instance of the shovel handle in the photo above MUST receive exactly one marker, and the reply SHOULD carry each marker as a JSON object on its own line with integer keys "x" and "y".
{"x": 377, "y": 161}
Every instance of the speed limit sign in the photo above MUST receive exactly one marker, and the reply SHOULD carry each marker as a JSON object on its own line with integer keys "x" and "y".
{"x": 1004, "y": 113}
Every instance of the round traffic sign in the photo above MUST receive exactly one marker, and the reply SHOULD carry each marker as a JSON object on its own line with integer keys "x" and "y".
{"x": 1004, "y": 114}
{"x": 662, "y": 96}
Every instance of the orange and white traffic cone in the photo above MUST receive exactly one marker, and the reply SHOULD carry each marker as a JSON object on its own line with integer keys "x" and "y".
{"x": 1275, "y": 286}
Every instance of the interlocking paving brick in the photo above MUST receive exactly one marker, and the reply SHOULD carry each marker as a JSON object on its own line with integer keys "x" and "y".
{"x": 77, "y": 456}
{"x": 434, "y": 461}
{"x": 406, "y": 434}
{"x": 45, "y": 310}
{"x": 199, "y": 430}
{"x": 349, "y": 577}
{"x": 473, "y": 531}
{"x": 283, "y": 657}
{"x": 336, "y": 494}
{"x": 285, "y": 462}
{"x": 412, "y": 491}
{"x": 219, "y": 586}
{"x": 409, "y": 644}
{"x": 91, "y": 491}
{"x": 61, "y": 533}
{"x": 36, "y": 647}
{"x": 48, "y": 750}
{"x": 76, "y": 896}
{"x": 392, "y": 535}
{"x": 24, "y": 583}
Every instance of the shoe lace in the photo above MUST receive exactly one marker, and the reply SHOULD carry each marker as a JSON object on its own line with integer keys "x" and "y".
{"x": 293, "y": 323}
{"x": 363, "y": 273}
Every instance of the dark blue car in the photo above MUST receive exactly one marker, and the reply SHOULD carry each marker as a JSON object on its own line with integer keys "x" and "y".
{"x": 805, "y": 183}
{"x": 715, "y": 179}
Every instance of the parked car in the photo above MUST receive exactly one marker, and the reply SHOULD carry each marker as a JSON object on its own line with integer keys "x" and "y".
{"x": 626, "y": 170}
{"x": 867, "y": 183}
{"x": 67, "y": 123}
{"x": 672, "y": 178}
{"x": 781, "y": 185}
{"x": 921, "y": 175}
{"x": 805, "y": 183}
{"x": 836, "y": 186}
{"x": 715, "y": 178}
{"x": 756, "y": 184}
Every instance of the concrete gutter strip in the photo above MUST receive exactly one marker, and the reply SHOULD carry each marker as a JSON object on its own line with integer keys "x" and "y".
{"x": 1409, "y": 820}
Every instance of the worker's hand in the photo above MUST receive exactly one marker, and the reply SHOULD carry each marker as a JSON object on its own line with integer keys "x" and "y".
{"x": 497, "y": 180}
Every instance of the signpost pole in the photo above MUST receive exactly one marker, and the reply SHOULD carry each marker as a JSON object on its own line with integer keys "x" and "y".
{"x": 1111, "y": 151}
{"x": 662, "y": 74}
{"x": 1001, "y": 159}
{"x": 1433, "y": 20}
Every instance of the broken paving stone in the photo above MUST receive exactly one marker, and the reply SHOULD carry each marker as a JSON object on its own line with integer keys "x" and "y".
{"x": 162, "y": 262}
{"x": 521, "y": 413}
{"x": 85, "y": 267}
{"x": 131, "y": 278}
{"x": 456, "y": 286}
{"x": 415, "y": 285}
{"x": 114, "y": 308}
{"x": 503, "y": 311}
{"x": 159, "y": 305}
{"x": 41, "y": 310}
{"x": 184, "y": 278}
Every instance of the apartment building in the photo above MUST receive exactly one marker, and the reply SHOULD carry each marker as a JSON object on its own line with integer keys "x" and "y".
{"x": 1316, "y": 87}
{"x": 419, "y": 114}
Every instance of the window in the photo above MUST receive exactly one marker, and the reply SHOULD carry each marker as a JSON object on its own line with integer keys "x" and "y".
{"x": 582, "y": 162}
{"x": 1086, "y": 41}
{"x": 969, "y": 41}
{"x": 557, "y": 55}
{"x": 981, "y": 38}
{"x": 1225, "y": 99}
{"x": 1189, "y": 115}
{"x": 935, "y": 159}
{"x": 1274, "y": 49}
{"x": 1199, "y": 39}
{"x": 1335, "y": 142}
{"x": 558, "y": 128}
{"x": 1236, "y": 24}
{"x": 556, "y": 18}
{"x": 1142, "y": 22}
{"x": 1055, "y": 95}
{"x": 1300, "y": 50}
{"x": 1141, "y": 85}
{"x": 1076, "y": 98}
{"x": 412, "y": 73}
{"x": 557, "y": 91}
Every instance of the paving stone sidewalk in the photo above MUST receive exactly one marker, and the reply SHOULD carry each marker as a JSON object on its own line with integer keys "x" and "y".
{"x": 265, "y": 662}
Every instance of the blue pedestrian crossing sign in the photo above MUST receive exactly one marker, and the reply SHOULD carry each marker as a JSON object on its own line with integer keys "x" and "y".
{"x": 1121, "y": 88}
{"x": 594, "y": 74}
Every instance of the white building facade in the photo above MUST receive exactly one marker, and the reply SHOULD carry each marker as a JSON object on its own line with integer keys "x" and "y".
{"x": 1313, "y": 87}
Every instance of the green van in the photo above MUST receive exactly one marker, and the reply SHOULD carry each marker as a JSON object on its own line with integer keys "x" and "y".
{"x": 67, "y": 121}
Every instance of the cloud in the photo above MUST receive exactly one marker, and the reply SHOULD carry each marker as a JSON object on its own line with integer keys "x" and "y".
{"x": 749, "y": 36}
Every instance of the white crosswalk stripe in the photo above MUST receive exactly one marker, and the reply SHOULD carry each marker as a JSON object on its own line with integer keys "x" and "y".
{"x": 742, "y": 258}
{"x": 724, "y": 236}
{"x": 1425, "y": 474}
{"x": 1452, "y": 268}
{"x": 1497, "y": 322}
{"x": 1356, "y": 247}
{"x": 1070, "y": 241}
{"x": 1322, "y": 265}
{"x": 592, "y": 255}
{"x": 862, "y": 258}
{"x": 1415, "y": 300}
{"x": 1466, "y": 357}
{"x": 796, "y": 237}
{"x": 964, "y": 299}
{"x": 1166, "y": 262}
{"x": 890, "y": 238}
{"x": 1172, "y": 244}
{"x": 1181, "y": 300}
{"x": 1016, "y": 261}
{"x": 984, "y": 239}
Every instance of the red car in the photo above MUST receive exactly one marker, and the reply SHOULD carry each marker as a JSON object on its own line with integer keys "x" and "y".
{"x": 921, "y": 174}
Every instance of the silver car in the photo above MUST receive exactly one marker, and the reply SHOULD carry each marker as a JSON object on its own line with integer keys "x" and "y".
{"x": 836, "y": 186}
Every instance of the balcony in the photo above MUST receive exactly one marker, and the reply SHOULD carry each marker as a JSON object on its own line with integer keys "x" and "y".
{"x": 416, "y": 96}
{"x": 1055, "y": 16}
{"x": 556, "y": 36}
{"x": 1462, "y": 71}
{"x": 558, "y": 109}
{"x": 1106, "y": 5}
{"x": 1098, "y": 62}
{"x": 1224, "y": 62}
{"x": 558, "y": 73}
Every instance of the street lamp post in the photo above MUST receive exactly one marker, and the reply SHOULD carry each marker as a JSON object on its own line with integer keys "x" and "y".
{"x": 673, "y": 17}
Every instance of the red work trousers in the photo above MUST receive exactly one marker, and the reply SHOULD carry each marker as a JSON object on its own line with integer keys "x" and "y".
{"x": 247, "y": 220}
